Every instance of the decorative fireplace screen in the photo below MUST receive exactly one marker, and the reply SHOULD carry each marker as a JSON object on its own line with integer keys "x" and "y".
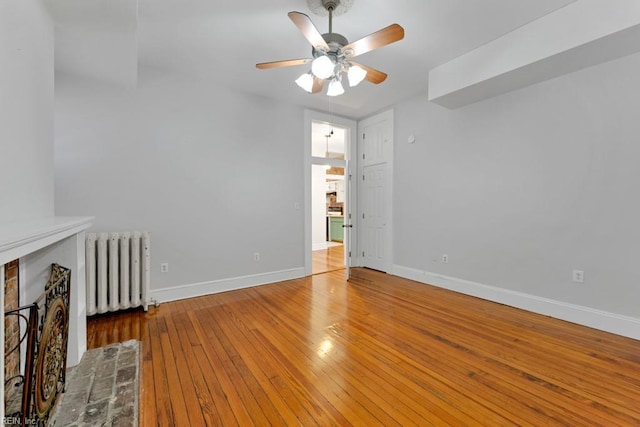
{"x": 45, "y": 327}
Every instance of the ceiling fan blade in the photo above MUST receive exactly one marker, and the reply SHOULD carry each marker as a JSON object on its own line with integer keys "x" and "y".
{"x": 373, "y": 75}
{"x": 279, "y": 64}
{"x": 308, "y": 30}
{"x": 383, "y": 37}
{"x": 318, "y": 84}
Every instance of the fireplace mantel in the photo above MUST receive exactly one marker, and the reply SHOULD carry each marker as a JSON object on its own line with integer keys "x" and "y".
{"x": 42, "y": 240}
{"x": 18, "y": 239}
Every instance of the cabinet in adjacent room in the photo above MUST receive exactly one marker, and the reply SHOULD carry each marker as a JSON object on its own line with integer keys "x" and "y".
{"x": 336, "y": 232}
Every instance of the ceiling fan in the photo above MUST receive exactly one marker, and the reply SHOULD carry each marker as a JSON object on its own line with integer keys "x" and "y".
{"x": 332, "y": 54}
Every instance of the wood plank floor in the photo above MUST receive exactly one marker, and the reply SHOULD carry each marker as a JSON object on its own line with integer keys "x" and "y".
{"x": 378, "y": 350}
{"x": 330, "y": 259}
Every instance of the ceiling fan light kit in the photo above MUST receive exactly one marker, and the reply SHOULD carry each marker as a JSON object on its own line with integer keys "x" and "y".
{"x": 305, "y": 81}
{"x": 332, "y": 53}
{"x": 356, "y": 74}
{"x": 322, "y": 67}
{"x": 335, "y": 88}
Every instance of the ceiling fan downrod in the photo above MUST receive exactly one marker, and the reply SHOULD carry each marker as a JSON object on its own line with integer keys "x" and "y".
{"x": 334, "y": 40}
{"x": 330, "y": 5}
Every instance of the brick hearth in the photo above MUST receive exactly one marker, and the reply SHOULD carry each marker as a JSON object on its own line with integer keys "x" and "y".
{"x": 103, "y": 389}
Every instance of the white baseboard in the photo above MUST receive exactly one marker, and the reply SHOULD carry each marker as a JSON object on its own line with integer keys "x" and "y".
{"x": 598, "y": 319}
{"x": 205, "y": 288}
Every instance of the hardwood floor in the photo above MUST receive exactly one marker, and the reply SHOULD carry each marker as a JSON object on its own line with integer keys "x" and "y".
{"x": 378, "y": 350}
{"x": 328, "y": 260}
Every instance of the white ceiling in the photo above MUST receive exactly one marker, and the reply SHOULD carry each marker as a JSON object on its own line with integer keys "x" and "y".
{"x": 219, "y": 42}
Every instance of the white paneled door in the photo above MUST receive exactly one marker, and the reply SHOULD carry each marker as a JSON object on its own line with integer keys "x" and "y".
{"x": 376, "y": 160}
{"x": 374, "y": 217}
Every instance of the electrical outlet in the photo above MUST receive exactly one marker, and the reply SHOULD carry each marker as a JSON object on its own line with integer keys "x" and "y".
{"x": 256, "y": 256}
{"x": 164, "y": 267}
{"x": 578, "y": 276}
{"x": 445, "y": 259}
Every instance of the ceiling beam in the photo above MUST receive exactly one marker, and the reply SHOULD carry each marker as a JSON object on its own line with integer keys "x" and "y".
{"x": 579, "y": 35}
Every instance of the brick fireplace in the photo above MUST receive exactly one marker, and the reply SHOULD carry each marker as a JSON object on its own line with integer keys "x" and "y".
{"x": 11, "y": 324}
{"x": 27, "y": 251}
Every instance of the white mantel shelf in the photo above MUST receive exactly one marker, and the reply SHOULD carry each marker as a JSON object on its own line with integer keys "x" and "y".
{"x": 20, "y": 238}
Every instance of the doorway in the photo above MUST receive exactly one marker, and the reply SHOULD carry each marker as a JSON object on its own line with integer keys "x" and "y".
{"x": 329, "y": 201}
{"x": 328, "y": 189}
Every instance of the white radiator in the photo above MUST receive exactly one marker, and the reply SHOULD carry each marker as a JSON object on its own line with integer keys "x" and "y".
{"x": 118, "y": 271}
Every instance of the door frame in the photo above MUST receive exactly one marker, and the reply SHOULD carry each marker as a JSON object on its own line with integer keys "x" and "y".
{"x": 311, "y": 116}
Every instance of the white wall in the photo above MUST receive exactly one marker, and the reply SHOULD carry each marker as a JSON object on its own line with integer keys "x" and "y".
{"x": 524, "y": 188}
{"x": 214, "y": 175}
{"x": 26, "y": 110}
{"x": 26, "y": 147}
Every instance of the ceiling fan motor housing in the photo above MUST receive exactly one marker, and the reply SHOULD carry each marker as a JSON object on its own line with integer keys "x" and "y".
{"x": 335, "y": 38}
{"x": 336, "y": 42}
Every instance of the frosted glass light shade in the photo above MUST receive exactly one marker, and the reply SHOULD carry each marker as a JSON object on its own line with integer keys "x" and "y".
{"x": 305, "y": 81}
{"x": 356, "y": 75}
{"x": 322, "y": 67}
{"x": 335, "y": 88}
